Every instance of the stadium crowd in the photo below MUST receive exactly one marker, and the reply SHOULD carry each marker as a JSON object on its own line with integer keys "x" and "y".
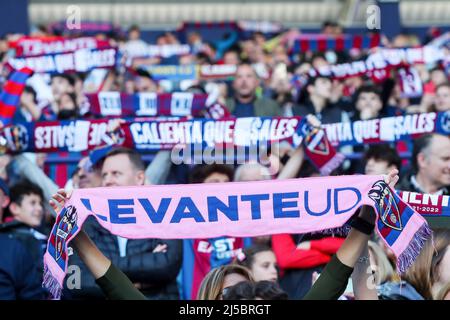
{"x": 269, "y": 79}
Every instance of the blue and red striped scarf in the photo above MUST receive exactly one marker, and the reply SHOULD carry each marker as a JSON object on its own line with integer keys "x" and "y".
{"x": 10, "y": 96}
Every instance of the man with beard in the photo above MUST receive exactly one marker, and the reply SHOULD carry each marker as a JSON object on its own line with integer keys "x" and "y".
{"x": 245, "y": 102}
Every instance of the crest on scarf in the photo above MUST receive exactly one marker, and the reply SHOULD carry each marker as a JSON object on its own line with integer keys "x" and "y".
{"x": 16, "y": 137}
{"x": 63, "y": 229}
{"x": 388, "y": 210}
{"x": 315, "y": 140}
{"x": 445, "y": 121}
{"x": 115, "y": 137}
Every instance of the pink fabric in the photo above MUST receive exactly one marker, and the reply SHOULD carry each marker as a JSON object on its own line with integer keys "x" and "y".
{"x": 286, "y": 209}
{"x": 245, "y": 227}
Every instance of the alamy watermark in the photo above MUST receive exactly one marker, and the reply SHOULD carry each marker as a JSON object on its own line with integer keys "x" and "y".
{"x": 73, "y": 20}
{"x": 264, "y": 154}
{"x": 73, "y": 280}
{"x": 373, "y": 17}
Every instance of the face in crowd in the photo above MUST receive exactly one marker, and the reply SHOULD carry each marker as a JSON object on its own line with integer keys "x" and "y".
{"x": 232, "y": 279}
{"x": 321, "y": 88}
{"x": 245, "y": 82}
{"x": 88, "y": 175}
{"x": 442, "y": 98}
{"x": 145, "y": 84}
{"x": 231, "y": 57}
{"x": 119, "y": 170}
{"x": 434, "y": 161}
{"x": 252, "y": 172}
{"x": 368, "y": 104}
{"x": 378, "y": 166}
{"x": 61, "y": 85}
{"x": 216, "y": 177}
{"x": 134, "y": 34}
{"x": 67, "y": 106}
{"x": 264, "y": 266}
{"x": 29, "y": 210}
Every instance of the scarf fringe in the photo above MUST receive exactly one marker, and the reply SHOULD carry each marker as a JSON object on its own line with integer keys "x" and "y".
{"x": 51, "y": 284}
{"x": 340, "y": 231}
{"x": 332, "y": 164}
{"x": 410, "y": 254}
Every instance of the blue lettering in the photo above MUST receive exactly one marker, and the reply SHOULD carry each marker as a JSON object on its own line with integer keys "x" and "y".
{"x": 336, "y": 198}
{"x": 279, "y": 205}
{"x": 255, "y": 202}
{"x": 155, "y": 216}
{"x": 87, "y": 204}
{"x": 231, "y": 210}
{"x": 115, "y": 211}
{"x": 310, "y": 212}
{"x": 193, "y": 212}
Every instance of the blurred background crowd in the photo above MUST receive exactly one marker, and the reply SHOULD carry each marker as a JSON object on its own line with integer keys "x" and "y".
{"x": 270, "y": 76}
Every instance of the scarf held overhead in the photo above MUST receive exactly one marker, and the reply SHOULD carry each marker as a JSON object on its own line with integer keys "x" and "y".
{"x": 191, "y": 72}
{"x": 10, "y": 96}
{"x": 155, "y": 134}
{"x": 82, "y": 60}
{"x": 238, "y": 209}
{"x": 320, "y": 42}
{"x": 33, "y": 46}
{"x": 381, "y": 61}
{"x": 155, "y": 104}
{"x": 184, "y": 137}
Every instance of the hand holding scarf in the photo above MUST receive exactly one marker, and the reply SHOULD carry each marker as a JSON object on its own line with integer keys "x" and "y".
{"x": 239, "y": 209}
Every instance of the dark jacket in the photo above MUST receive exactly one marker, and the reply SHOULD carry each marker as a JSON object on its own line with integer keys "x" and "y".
{"x": 32, "y": 240}
{"x": 263, "y": 107}
{"x": 398, "y": 291}
{"x": 329, "y": 286}
{"x": 155, "y": 272}
{"x": 330, "y": 114}
{"x": 19, "y": 278}
{"x": 434, "y": 221}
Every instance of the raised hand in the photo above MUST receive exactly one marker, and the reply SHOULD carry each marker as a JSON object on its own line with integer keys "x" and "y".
{"x": 313, "y": 121}
{"x": 59, "y": 199}
{"x": 392, "y": 178}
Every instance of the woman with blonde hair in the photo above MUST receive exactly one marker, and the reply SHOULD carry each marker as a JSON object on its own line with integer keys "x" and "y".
{"x": 444, "y": 293}
{"x": 384, "y": 272}
{"x": 429, "y": 273}
{"x": 218, "y": 280}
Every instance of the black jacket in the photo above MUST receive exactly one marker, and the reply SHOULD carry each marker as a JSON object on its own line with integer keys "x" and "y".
{"x": 33, "y": 241}
{"x": 19, "y": 276}
{"x": 155, "y": 272}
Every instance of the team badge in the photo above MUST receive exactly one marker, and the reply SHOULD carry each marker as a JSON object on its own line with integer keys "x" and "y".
{"x": 64, "y": 228}
{"x": 315, "y": 140}
{"x": 16, "y": 137}
{"x": 388, "y": 210}
{"x": 445, "y": 121}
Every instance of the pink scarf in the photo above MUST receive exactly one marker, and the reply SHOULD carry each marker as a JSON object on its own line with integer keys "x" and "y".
{"x": 238, "y": 209}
